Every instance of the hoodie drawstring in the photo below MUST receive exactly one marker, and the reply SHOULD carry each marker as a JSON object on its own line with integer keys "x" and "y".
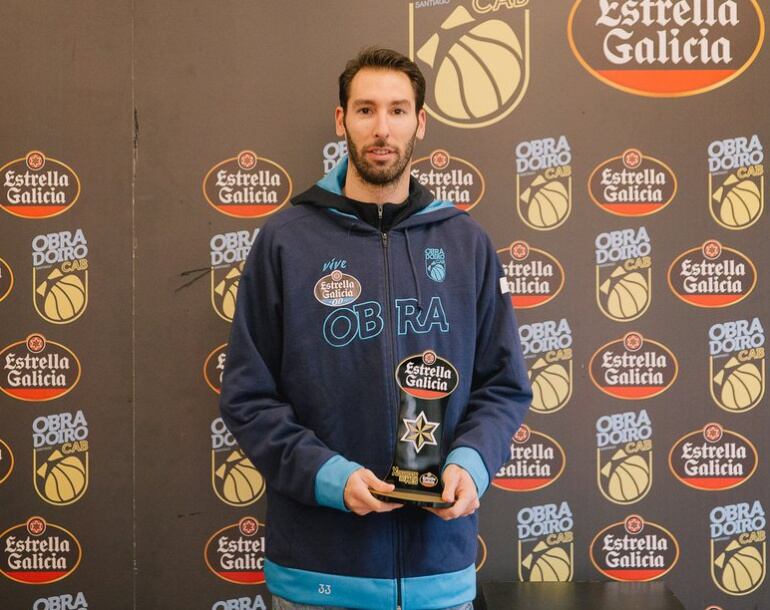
{"x": 414, "y": 270}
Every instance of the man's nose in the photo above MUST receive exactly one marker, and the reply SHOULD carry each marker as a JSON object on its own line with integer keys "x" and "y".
{"x": 381, "y": 125}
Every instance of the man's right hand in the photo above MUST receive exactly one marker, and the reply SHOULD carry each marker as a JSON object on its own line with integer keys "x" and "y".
{"x": 359, "y": 499}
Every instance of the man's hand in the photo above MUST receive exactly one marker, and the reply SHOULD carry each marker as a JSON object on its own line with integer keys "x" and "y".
{"x": 359, "y": 499}
{"x": 460, "y": 489}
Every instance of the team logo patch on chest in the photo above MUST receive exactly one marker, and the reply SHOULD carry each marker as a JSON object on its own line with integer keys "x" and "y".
{"x": 435, "y": 264}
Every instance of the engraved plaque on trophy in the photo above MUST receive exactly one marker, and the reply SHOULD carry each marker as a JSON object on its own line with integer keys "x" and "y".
{"x": 425, "y": 382}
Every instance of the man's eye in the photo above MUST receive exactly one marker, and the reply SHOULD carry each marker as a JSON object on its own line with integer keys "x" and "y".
{"x": 364, "y": 110}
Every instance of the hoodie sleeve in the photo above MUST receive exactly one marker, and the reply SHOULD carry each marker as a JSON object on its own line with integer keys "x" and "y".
{"x": 500, "y": 389}
{"x": 291, "y": 457}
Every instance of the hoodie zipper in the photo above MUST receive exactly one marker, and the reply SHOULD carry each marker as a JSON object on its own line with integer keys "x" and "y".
{"x": 384, "y": 241}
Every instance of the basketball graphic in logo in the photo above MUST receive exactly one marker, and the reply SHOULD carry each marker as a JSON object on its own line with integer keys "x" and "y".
{"x": 547, "y": 203}
{"x": 627, "y": 294}
{"x": 551, "y": 387}
{"x": 225, "y": 291}
{"x": 241, "y": 482}
{"x": 65, "y": 478}
{"x": 742, "y": 568}
{"x": 739, "y": 202}
{"x": 548, "y": 564}
{"x": 628, "y": 476}
{"x": 742, "y": 385}
{"x": 64, "y": 296}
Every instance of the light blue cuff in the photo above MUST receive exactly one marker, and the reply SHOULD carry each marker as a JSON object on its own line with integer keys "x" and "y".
{"x": 330, "y": 481}
{"x": 469, "y": 460}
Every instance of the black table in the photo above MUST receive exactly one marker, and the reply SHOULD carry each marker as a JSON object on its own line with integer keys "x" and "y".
{"x": 576, "y": 596}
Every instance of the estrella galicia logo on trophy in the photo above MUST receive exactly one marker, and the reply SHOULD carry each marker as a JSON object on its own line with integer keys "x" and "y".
{"x": 228, "y": 254}
{"x": 475, "y": 58}
{"x": 544, "y": 182}
{"x": 713, "y": 458}
{"x": 60, "y": 457}
{"x": 450, "y": 178}
{"x": 623, "y": 273}
{"x": 712, "y": 275}
{"x": 634, "y": 550}
{"x": 533, "y": 277}
{"x": 547, "y": 348}
{"x": 233, "y": 477}
{"x": 624, "y": 456}
{"x": 36, "y": 186}
{"x": 546, "y": 543}
{"x": 37, "y": 552}
{"x": 536, "y": 460}
{"x": 737, "y": 364}
{"x": 236, "y": 553}
{"x": 736, "y": 181}
{"x": 633, "y": 367}
{"x": 665, "y": 49}
{"x": 247, "y": 186}
{"x": 60, "y": 275}
{"x": 37, "y": 369}
{"x": 738, "y": 542}
{"x": 632, "y": 184}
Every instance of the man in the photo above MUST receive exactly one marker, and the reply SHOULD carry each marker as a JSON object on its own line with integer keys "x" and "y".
{"x": 309, "y": 387}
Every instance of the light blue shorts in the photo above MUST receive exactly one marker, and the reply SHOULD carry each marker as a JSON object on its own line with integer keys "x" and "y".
{"x": 282, "y": 604}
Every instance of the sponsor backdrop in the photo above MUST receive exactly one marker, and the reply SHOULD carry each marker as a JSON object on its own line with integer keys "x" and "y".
{"x": 613, "y": 150}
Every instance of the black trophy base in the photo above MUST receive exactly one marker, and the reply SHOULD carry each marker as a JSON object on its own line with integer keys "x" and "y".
{"x": 416, "y": 498}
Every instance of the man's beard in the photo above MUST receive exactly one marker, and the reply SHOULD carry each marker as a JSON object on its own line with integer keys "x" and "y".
{"x": 375, "y": 174}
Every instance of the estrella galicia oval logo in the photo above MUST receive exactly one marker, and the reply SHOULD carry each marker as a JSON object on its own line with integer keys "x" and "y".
{"x": 6, "y": 279}
{"x": 712, "y": 275}
{"x": 713, "y": 458}
{"x": 476, "y": 68}
{"x": 450, "y": 178}
{"x": 533, "y": 276}
{"x": 633, "y": 368}
{"x": 236, "y": 553}
{"x": 632, "y": 184}
{"x": 634, "y": 550}
{"x": 38, "y": 552}
{"x": 37, "y": 369}
{"x": 214, "y": 367}
{"x": 36, "y": 186}
{"x": 337, "y": 289}
{"x": 6, "y": 461}
{"x": 536, "y": 461}
{"x": 247, "y": 186}
{"x": 665, "y": 51}
{"x": 427, "y": 375}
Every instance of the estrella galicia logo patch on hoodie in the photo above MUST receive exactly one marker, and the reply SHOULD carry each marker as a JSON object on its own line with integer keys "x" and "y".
{"x": 450, "y": 178}
{"x": 547, "y": 348}
{"x": 435, "y": 264}
{"x": 736, "y": 181}
{"x": 544, "y": 182}
{"x": 712, "y": 275}
{"x": 234, "y": 478}
{"x": 337, "y": 289}
{"x": 236, "y": 553}
{"x": 37, "y": 552}
{"x": 533, "y": 277}
{"x": 536, "y": 461}
{"x": 713, "y": 458}
{"x": 738, "y": 541}
{"x": 623, "y": 273}
{"x": 228, "y": 254}
{"x": 634, "y": 550}
{"x": 36, "y": 186}
{"x": 633, "y": 368}
{"x": 60, "y": 457}
{"x": 60, "y": 275}
{"x": 247, "y": 186}
{"x": 737, "y": 364}
{"x": 624, "y": 456}
{"x": 546, "y": 543}
{"x": 37, "y": 369}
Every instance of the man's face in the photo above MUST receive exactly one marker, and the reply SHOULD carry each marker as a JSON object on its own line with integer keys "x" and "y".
{"x": 380, "y": 124}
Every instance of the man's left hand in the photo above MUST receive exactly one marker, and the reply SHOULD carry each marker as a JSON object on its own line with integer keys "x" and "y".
{"x": 459, "y": 489}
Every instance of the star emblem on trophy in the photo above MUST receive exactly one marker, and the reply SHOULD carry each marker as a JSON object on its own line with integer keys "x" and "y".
{"x": 419, "y": 431}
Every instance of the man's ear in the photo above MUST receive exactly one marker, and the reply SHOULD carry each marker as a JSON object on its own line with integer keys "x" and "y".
{"x": 421, "y": 119}
{"x": 339, "y": 121}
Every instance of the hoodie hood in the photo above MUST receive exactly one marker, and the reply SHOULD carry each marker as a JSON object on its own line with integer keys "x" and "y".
{"x": 328, "y": 193}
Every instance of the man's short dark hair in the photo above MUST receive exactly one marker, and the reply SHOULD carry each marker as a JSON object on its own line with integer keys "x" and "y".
{"x": 382, "y": 59}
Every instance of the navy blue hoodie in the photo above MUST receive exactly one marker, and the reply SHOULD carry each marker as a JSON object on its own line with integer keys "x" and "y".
{"x": 309, "y": 390}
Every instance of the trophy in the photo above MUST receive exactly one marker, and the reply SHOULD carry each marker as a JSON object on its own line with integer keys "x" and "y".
{"x": 425, "y": 382}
